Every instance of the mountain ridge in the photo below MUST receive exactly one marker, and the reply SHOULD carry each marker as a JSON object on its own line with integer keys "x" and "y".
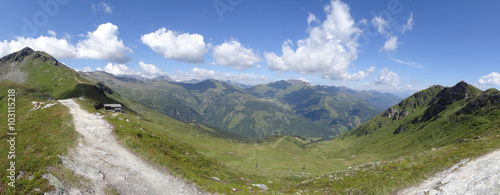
{"x": 246, "y": 111}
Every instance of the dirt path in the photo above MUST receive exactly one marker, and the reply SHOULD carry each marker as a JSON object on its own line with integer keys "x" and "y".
{"x": 99, "y": 157}
{"x": 480, "y": 176}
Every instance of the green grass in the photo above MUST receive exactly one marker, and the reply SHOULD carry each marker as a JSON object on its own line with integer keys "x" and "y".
{"x": 40, "y": 139}
{"x": 405, "y": 158}
{"x": 198, "y": 153}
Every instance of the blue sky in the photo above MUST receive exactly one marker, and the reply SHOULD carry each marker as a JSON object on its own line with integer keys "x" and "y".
{"x": 397, "y": 46}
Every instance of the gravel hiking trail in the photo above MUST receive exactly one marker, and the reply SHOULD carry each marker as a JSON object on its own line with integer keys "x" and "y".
{"x": 479, "y": 176}
{"x": 99, "y": 157}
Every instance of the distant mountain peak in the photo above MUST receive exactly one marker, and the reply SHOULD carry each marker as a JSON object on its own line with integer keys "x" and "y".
{"x": 19, "y": 55}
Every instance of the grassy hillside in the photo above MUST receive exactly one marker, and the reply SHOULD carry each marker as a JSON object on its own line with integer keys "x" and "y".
{"x": 373, "y": 161}
{"x": 39, "y": 141}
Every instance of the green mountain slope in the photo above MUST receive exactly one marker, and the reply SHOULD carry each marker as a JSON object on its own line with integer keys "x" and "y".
{"x": 45, "y": 133}
{"x": 337, "y": 108}
{"x": 431, "y": 118}
{"x": 217, "y": 104}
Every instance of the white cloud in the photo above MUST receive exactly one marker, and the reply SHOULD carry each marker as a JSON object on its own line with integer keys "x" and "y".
{"x": 381, "y": 24}
{"x": 202, "y": 74}
{"x": 87, "y": 69}
{"x": 328, "y": 51}
{"x": 173, "y": 45}
{"x": 119, "y": 69}
{"x": 391, "y": 44}
{"x": 107, "y": 7}
{"x": 402, "y": 91}
{"x": 150, "y": 70}
{"x": 491, "y": 79}
{"x": 52, "y": 33}
{"x": 233, "y": 54}
{"x": 304, "y": 80}
{"x": 312, "y": 18}
{"x": 409, "y": 24}
{"x": 102, "y": 7}
{"x": 103, "y": 44}
{"x": 360, "y": 75}
{"x": 408, "y": 63}
{"x": 146, "y": 70}
{"x": 386, "y": 77}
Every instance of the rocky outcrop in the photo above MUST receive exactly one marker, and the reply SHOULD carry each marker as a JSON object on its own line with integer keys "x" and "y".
{"x": 18, "y": 56}
{"x": 482, "y": 104}
{"x": 395, "y": 114}
{"x": 28, "y": 52}
{"x": 399, "y": 129}
{"x": 446, "y": 97}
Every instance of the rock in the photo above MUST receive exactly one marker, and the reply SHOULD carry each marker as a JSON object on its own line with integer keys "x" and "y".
{"x": 399, "y": 130}
{"x": 216, "y": 179}
{"x": 446, "y": 97}
{"x": 261, "y": 186}
{"x": 58, "y": 184}
{"x": 21, "y": 174}
{"x": 477, "y": 137}
{"x": 481, "y": 104}
{"x": 84, "y": 170}
{"x": 395, "y": 114}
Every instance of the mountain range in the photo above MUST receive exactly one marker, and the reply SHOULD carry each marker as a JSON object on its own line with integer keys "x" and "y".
{"x": 279, "y": 108}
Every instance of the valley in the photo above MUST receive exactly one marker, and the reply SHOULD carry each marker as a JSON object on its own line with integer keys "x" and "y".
{"x": 279, "y": 108}
{"x": 206, "y": 141}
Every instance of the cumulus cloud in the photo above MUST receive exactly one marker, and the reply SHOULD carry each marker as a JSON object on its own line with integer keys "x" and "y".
{"x": 146, "y": 70}
{"x": 119, "y": 69}
{"x": 150, "y": 70}
{"x": 178, "y": 46}
{"x": 327, "y": 51}
{"x": 202, "y": 74}
{"x": 386, "y": 77}
{"x": 102, "y": 7}
{"x": 233, "y": 54}
{"x": 491, "y": 79}
{"x": 87, "y": 69}
{"x": 103, "y": 44}
{"x": 304, "y": 80}
{"x": 391, "y": 44}
{"x": 409, "y": 24}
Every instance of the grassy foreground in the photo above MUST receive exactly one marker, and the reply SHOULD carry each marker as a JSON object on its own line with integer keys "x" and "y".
{"x": 39, "y": 141}
{"x": 341, "y": 166}
{"x": 348, "y": 164}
